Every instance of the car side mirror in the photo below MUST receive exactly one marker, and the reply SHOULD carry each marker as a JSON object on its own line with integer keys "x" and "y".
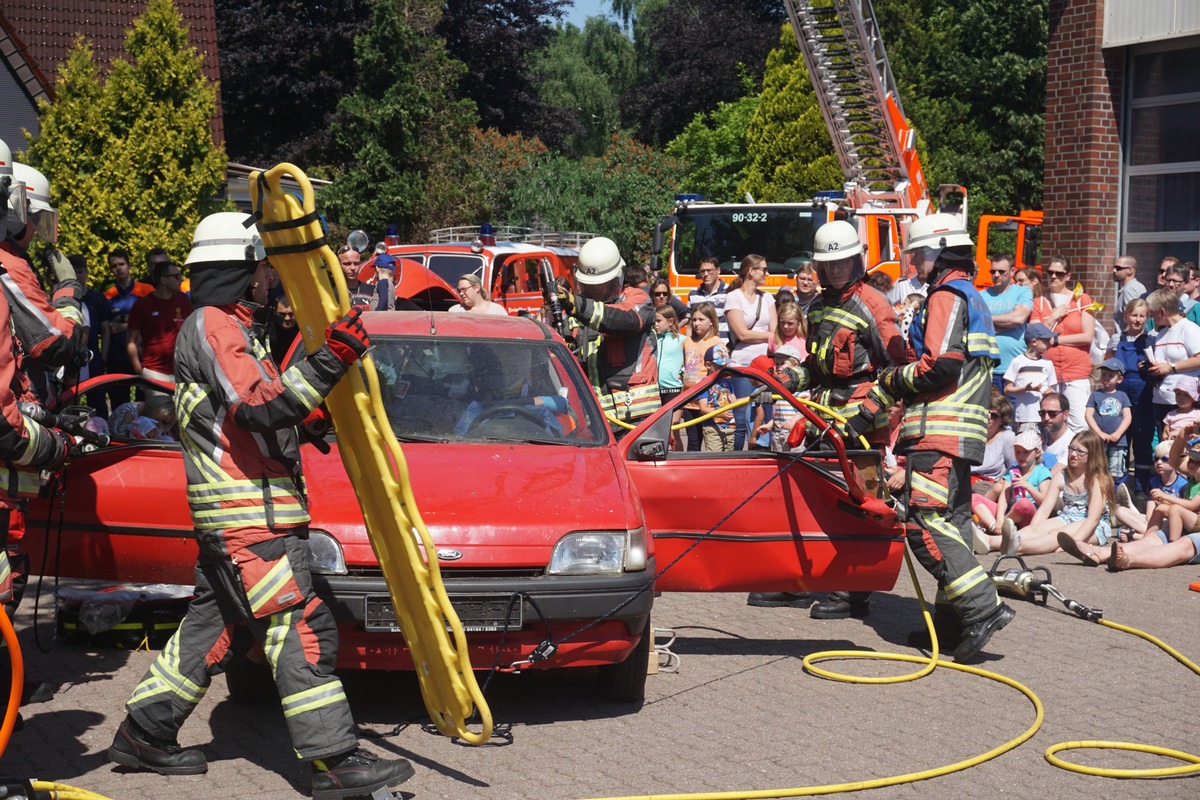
{"x": 650, "y": 450}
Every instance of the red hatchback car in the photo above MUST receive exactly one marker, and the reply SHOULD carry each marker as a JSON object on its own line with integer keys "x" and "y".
{"x": 548, "y": 529}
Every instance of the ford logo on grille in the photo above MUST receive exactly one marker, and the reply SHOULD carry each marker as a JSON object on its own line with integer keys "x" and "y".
{"x": 446, "y": 554}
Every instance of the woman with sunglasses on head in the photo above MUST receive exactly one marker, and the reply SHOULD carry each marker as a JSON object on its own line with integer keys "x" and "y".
{"x": 473, "y": 298}
{"x": 1065, "y": 313}
{"x": 750, "y": 312}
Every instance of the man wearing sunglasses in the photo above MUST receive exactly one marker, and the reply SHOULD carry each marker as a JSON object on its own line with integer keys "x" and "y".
{"x": 1124, "y": 271}
{"x": 1011, "y": 305}
{"x": 1052, "y": 416}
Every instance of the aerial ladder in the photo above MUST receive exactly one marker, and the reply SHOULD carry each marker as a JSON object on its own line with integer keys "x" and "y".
{"x": 860, "y": 103}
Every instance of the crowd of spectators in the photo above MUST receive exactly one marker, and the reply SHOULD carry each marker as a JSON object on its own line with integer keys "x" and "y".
{"x": 1094, "y": 433}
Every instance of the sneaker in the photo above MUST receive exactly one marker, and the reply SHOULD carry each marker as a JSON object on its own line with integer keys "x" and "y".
{"x": 780, "y": 599}
{"x": 840, "y": 605}
{"x": 1125, "y": 499}
{"x": 1010, "y": 539}
{"x": 976, "y": 636}
{"x": 982, "y": 545}
{"x": 132, "y": 747}
{"x": 358, "y": 772}
{"x": 949, "y": 631}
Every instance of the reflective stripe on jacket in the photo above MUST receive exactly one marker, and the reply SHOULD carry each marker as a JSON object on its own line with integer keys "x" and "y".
{"x": 237, "y": 417}
{"x": 949, "y": 386}
{"x": 616, "y": 345}
{"x": 52, "y": 333}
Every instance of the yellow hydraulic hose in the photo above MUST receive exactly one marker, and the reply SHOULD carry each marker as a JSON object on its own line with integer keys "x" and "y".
{"x": 61, "y": 791}
{"x": 316, "y": 287}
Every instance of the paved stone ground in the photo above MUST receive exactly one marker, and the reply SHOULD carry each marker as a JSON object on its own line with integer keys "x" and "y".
{"x": 739, "y": 715}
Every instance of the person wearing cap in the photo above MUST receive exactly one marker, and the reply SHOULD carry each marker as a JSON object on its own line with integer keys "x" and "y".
{"x": 1010, "y": 304}
{"x": 612, "y": 326}
{"x": 947, "y": 395}
{"x": 717, "y": 433}
{"x": 852, "y": 336}
{"x": 245, "y": 489}
{"x": 1016, "y": 497}
{"x": 1186, "y": 411}
{"x": 1109, "y": 414}
{"x": 786, "y": 360}
{"x": 1029, "y": 376}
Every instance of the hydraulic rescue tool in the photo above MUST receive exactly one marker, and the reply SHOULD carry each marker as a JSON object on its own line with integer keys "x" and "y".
{"x": 1023, "y": 582}
{"x": 315, "y": 285}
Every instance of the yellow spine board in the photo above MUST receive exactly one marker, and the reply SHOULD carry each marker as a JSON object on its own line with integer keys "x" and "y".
{"x": 316, "y": 287}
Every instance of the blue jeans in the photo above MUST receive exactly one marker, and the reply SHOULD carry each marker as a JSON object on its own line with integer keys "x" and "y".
{"x": 742, "y": 387}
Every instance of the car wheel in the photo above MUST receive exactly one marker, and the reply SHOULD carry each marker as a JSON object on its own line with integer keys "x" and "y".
{"x": 250, "y": 682}
{"x": 626, "y": 682}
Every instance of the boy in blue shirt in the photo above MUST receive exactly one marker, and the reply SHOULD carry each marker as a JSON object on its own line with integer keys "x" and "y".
{"x": 1109, "y": 414}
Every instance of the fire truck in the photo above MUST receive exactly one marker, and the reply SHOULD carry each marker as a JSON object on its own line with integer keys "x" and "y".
{"x": 884, "y": 187}
{"x": 506, "y": 259}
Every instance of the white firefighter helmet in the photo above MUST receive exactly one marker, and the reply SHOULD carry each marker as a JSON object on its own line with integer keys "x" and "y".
{"x": 599, "y": 262}
{"x": 836, "y": 240}
{"x": 224, "y": 236}
{"x": 937, "y": 231}
{"x": 6, "y": 162}
{"x": 37, "y": 192}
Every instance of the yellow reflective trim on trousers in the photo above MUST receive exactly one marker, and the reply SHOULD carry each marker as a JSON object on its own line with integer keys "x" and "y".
{"x": 931, "y": 488}
{"x": 279, "y": 625}
{"x": 164, "y": 678}
{"x": 940, "y": 526}
{"x": 266, "y": 588}
{"x": 966, "y": 582}
{"x": 295, "y": 381}
{"x": 311, "y": 699}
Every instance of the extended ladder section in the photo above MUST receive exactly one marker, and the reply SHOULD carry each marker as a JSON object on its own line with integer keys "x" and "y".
{"x": 848, "y": 66}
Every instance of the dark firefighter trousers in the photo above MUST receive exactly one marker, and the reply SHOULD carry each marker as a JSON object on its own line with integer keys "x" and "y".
{"x": 300, "y": 644}
{"x": 939, "y": 532}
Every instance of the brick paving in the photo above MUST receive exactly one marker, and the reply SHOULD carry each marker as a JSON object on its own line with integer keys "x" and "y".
{"x": 739, "y": 715}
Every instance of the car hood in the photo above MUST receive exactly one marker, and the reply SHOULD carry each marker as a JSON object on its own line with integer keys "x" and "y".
{"x": 496, "y": 505}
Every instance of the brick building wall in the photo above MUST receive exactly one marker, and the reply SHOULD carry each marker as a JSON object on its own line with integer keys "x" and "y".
{"x": 1083, "y": 146}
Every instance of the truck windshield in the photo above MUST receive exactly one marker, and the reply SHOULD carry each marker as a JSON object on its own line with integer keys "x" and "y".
{"x": 783, "y": 234}
{"x": 468, "y": 390}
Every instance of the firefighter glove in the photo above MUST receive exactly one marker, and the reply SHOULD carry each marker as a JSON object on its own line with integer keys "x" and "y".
{"x": 317, "y": 422}
{"x": 347, "y": 338}
{"x": 889, "y": 382}
{"x": 63, "y": 271}
{"x": 567, "y": 301}
{"x": 856, "y": 426}
{"x": 61, "y": 442}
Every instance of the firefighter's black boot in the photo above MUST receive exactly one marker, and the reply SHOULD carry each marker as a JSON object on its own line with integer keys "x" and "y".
{"x": 780, "y": 599}
{"x": 133, "y": 747}
{"x": 840, "y": 605}
{"x": 976, "y": 636}
{"x": 358, "y": 772}
{"x": 949, "y": 632}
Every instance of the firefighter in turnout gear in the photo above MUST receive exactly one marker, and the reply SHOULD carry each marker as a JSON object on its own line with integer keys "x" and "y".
{"x": 48, "y": 330}
{"x": 852, "y": 336}
{"x": 26, "y": 447}
{"x": 237, "y": 417}
{"x": 613, "y": 331}
{"x": 947, "y": 395}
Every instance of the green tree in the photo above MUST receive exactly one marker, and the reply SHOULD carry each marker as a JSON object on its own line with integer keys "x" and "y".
{"x": 584, "y": 74}
{"x": 621, "y": 194}
{"x": 789, "y": 150}
{"x": 401, "y": 126}
{"x": 713, "y": 148}
{"x": 131, "y": 159}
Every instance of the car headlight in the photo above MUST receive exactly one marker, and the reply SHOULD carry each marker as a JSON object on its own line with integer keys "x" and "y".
{"x": 599, "y": 553}
{"x": 325, "y": 554}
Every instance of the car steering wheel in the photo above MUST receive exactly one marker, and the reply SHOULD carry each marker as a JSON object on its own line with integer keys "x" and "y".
{"x": 518, "y": 409}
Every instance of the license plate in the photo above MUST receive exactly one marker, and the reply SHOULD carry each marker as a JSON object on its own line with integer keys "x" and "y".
{"x": 477, "y": 613}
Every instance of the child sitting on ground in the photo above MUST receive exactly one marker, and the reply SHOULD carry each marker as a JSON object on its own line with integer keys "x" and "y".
{"x": 1109, "y": 414}
{"x": 1015, "y": 497}
{"x": 1185, "y": 413}
{"x": 1029, "y": 376}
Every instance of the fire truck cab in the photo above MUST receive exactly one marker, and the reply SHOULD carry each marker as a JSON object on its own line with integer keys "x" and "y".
{"x": 505, "y": 258}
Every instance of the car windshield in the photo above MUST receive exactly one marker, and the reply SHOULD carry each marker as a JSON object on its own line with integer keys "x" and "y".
{"x": 466, "y": 390}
